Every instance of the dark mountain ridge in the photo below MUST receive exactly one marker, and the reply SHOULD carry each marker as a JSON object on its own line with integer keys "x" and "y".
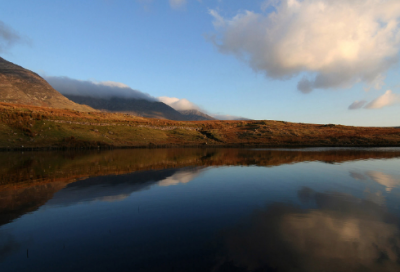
{"x": 196, "y": 115}
{"x": 139, "y": 107}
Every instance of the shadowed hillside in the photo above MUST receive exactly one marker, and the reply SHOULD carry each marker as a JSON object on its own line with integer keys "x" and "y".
{"x": 139, "y": 107}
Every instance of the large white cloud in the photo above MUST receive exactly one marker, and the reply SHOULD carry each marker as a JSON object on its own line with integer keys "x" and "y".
{"x": 103, "y": 89}
{"x": 334, "y": 42}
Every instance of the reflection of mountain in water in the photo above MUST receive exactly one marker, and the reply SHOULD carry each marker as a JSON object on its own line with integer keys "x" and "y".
{"x": 116, "y": 188}
{"x": 27, "y": 181}
{"x": 344, "y": 233}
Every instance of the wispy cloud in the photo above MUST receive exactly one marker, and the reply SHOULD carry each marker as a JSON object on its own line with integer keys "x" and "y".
{"x": 9, "y": 37}
{"x": 357, "y": 105}
{"x": 334, "y": 43}
{"x": 177, "y": 3}
{"x": 387, "y": 99}
{"x": 103, "y": 89}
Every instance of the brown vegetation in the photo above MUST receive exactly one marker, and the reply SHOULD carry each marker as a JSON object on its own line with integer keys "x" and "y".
{"x": 38, "y": 127}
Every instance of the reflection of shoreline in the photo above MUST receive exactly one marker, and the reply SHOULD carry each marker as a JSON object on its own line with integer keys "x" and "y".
{"x": 344, "y": 233}
{"x": 21, "y": 170}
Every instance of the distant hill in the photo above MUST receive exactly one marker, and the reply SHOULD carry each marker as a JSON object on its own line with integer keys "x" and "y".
{"x": 139, "y": 107}
{"x": 21, "y": 86}
{"x": 196, "y": 115}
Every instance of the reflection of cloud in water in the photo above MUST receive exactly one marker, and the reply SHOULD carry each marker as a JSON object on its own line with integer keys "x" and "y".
{"x": 386, "y": 180}
{"x": 344, "y": 234}
{"x": 358, "y": 176}
{"x": 113, "y": 198}
{"x": 182, "y": 176}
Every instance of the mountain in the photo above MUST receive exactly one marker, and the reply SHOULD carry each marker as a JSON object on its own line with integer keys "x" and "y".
{"x": 21, "y": 86}
{"x": 196, "y": 115}
{"x": 139, "y": 107}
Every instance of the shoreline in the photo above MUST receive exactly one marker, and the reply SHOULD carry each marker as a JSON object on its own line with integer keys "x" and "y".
{"x": 288, "y": 147}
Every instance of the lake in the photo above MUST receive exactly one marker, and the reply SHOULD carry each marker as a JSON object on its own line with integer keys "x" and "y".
{"x": 201, "y": 210}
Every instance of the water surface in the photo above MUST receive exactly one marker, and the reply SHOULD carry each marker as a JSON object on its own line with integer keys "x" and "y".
{"x": 200, "y": 210}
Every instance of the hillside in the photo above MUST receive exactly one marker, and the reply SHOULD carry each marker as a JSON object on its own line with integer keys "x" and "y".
{"x": 196, "y": 115}
{"x": 36, "y": 127}
{"x": 139, "y": 107}
{"x": 21, "y": 86}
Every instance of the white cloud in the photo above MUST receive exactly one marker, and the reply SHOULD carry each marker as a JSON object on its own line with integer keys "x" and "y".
{"x": 178, "y": 104}
{"x": 102, "y": 89}
{"x": 357, "y": 105}
{"x": 177, "y": 3}
{"x": 336, "y": 43}
{"x": 387, "y": 99}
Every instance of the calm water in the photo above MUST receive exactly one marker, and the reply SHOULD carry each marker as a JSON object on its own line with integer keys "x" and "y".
{"x": 201, "y": 210}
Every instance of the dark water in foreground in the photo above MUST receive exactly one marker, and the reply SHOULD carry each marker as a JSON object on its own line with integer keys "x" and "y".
{"x": 201, "y": 210}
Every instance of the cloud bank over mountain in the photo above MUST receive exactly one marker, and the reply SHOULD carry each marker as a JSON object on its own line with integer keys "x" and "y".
{"x": 333, "y": 43}
{"x": 184, "y": 104}
{"x": 178, "y": 104}
{"x": 110, "y": 89}
{"x": 103, "y": 89}
{"x": 228, "y": 117}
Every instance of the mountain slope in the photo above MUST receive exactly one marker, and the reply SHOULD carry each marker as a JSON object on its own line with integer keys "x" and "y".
{"x": 21, "y": 86}
{"x": 196, "y": 115}
{"x": 138, "y": 107}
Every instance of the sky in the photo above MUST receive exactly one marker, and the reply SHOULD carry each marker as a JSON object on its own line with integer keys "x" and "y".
{"x": 309, "y": 61}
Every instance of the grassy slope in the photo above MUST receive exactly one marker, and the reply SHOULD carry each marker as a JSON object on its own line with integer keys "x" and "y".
{"x": 29, "y": 126}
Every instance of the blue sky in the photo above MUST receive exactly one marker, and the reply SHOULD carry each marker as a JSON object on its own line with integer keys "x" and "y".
{"x": 167, "y": 49}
